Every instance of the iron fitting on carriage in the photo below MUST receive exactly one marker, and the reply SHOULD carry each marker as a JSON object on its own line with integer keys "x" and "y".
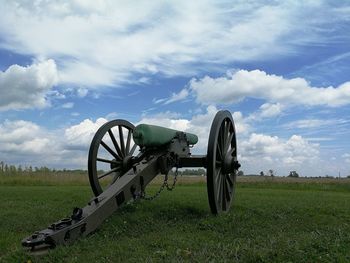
{"x": 230, "y": 164}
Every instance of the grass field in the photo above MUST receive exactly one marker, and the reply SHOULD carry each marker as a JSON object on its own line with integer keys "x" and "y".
{"x": 272, "y": 220}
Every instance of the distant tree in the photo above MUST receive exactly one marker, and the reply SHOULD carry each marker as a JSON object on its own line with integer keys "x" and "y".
{"x": 201, "y": 171}
{"x": 271, "y": 172}
{"x": 293, "y": 174}
{"x": 240, "y": 173}
{"x": 262, "y": 173}
{"x": 13, "y": 169}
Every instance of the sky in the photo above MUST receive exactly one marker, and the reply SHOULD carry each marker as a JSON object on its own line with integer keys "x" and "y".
{"x": 282, "y": 68}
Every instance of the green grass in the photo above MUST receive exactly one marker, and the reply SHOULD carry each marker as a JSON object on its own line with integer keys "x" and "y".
{"x": 269, "y": 222}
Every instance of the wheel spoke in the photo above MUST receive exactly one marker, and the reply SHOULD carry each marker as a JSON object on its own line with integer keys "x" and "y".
{"x": 128, "y": 143}
{"x": 229, "y": 180}
{"x": 227, "y": 129}
{"x": 109, "y": 172}
{"x": 223, "y": 194}
{"x": 222, "y": 139}
{"x": 218, "y": 184}
{"x": 116, "y": 146}
{"x": 218, "y": 174}
{"x": 133, "y": 149}
{"x": 228, "y": 143}
{"x": 121, "y": 138}
{"x": 219, "y": 192}
{"x": 218, "y": 150}
{"x": 232, "y": 150}
{"x": 228, "y": 191}
{"x": 105, "y": 160}
{"x": 110, "y": 150}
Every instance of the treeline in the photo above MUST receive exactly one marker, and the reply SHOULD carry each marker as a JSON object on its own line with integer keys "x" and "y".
{"x": 9, "y": 169}
{"x": 6, "y": 169}
{"x": 189, "y": 172}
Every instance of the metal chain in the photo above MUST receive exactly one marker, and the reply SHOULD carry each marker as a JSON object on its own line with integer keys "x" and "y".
{"x": 142, "y": 194}
{"x": 170, "y": 188}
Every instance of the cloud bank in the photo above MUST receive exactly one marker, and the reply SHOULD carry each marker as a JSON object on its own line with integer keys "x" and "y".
{"x": 276, "y": 89}
{"x": 106, "y": 43}
{"x": 27, "y": 143}
{"x": 26, "y": 87}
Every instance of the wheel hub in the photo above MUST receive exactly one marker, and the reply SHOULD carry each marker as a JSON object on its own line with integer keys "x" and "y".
{"x": 114, "y": 164}
{"x": 127, "y": 163}
{"x": 230, "y": 164}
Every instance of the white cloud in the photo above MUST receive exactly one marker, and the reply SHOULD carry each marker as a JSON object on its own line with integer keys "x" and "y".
{"x": 67, "y": 105}
{"x": 26, "y": 87}
{"x": 111, "y": 116}
{"x": 81, "y": 92}
{"x": 22, "y": 139}
{"x": 314, "y": 123}
{"x": 319, "y": 139}
{"x": 269, "y": 110}
{"x": 109, "y": 42}
{"x": 54, "y": 94}
{"x": 177, "y": 96}
{"x": 266, "y": 110}
{"x": 157, "y": 101}
{"x": 346, "y": 157}
{"x": 263, "y": 151}
{"x": 183, "y": 94}
{"x": 275, "y": 89}
{"x": 241, "y": 124}
{"x": 79, "y": 136}
{"x": 27, "y": 143}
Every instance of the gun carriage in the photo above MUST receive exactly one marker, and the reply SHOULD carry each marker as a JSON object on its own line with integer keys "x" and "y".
{"x": 132, "y": 158}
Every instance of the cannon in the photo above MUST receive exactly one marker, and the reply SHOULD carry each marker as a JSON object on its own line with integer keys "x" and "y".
{"x": 124, "y": 159}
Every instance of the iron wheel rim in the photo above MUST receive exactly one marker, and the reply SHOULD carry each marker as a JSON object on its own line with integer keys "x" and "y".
{"x": 119, "y": 149}
{"x": 222, "y": 143}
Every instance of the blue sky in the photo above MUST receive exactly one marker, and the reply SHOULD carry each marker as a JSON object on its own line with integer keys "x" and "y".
{"x": 281, "y": 67}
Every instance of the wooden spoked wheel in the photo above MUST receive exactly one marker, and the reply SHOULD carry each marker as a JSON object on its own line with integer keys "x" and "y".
{"x": 222, "y": 163}
{"x": 110, "y": 154}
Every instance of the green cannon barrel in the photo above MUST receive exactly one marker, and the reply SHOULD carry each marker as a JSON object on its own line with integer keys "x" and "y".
{"x": 152, "y": 135}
